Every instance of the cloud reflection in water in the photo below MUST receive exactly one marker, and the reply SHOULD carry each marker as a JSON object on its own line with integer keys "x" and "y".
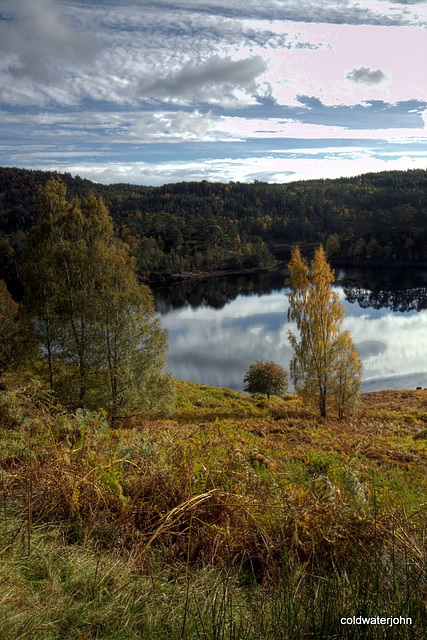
{"x": 216, "y": 346}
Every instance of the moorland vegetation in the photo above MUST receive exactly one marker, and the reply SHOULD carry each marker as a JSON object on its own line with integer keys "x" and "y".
{"x": 134, "y": 506}
{"x": 236, "y": 517}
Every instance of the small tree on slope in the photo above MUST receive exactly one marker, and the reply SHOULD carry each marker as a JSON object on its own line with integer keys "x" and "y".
{"x": 266, "y": 377}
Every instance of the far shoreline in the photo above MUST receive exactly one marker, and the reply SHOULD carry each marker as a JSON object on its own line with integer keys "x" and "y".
{"x": 156, "y": 280}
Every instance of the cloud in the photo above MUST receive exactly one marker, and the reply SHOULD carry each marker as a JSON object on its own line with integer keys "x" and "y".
{"x": 365, "y": 75}
{"x": 245, "y": 128}
{"x": 38, "y": 38}
{"x": 217, "y": 52}
{"x": 407, "y": 1}
{"x": 222, "y": 78}
{"x": 309, "y": 102}
{"x": 108, "y": 125}
{"x": 322, "y": 73}
{"x": 178, "y": 126}
{"x": 210, "y": 81}
{"x": 322, "y": 11}
{"x": 267, "y": 167}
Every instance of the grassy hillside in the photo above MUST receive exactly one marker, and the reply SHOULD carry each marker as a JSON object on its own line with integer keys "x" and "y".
{"x": 236, "y": 518}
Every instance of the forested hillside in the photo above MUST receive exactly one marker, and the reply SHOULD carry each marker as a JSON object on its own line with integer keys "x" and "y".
{"x": 202, "y": 226}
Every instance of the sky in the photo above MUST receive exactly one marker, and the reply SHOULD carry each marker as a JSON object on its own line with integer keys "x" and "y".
{"x": 160, "y": 91}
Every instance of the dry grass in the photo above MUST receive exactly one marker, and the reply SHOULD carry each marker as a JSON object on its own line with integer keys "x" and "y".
{"x": 229, "y": 484}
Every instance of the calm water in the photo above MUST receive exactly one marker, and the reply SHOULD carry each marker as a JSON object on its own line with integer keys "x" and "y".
{"x": 218, "y": 327}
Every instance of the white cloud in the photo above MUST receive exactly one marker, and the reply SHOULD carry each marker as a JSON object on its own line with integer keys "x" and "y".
{"x": 179, "y": 126}
{"x": 286, "y": 128}
{"x": 128, "y": 77}
{"x": 323, "y": 73}
{"x": 266, "y": 168}
{"x": 325, "y": 11}
{"x": 156, "y": 126}
{"x": 68, "y": 52}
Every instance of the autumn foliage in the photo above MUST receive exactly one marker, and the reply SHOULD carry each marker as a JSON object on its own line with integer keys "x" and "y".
{"x": 325, "y": 361}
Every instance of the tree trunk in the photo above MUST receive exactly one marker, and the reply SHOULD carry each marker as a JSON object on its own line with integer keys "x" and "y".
{"x": 82, "y": 371}
{"x": 114, "y": 401}
{"x": 49, "y": 355}
{"x": 322, "y": 403}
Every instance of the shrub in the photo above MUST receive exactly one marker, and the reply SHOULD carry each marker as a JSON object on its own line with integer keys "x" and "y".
{"x": 266, "y": 378}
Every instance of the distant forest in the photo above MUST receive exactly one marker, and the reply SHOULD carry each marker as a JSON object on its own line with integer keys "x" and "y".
{"x": 208, "y": 227}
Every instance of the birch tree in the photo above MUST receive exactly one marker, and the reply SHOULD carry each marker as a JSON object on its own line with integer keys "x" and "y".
{"x": 102, "y": 340}
{"x": 132, "y": 341}
{"x": 347, "y": 375}
{"x": 319, "y": 347}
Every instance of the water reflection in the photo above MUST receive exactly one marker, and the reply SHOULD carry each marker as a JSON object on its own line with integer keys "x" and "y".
{"x": 216, "y": 292}
{"x": 219, "y": 327}
{"x": 395, "y": 289}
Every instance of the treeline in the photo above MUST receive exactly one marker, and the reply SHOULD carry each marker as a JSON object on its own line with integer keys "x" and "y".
{"x": 202, "y": 226}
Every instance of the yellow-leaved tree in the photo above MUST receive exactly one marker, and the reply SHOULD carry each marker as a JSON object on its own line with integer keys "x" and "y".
{"x": 325, "y": 360}
{"x": 347, "y": 375}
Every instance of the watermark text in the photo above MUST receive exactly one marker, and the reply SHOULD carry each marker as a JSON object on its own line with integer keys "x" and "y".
{"x": 389, "y": 622}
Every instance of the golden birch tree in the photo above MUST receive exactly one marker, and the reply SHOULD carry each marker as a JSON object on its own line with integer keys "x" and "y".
{"x": 318, "y": 346}
{"x": 347, "y": 375}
